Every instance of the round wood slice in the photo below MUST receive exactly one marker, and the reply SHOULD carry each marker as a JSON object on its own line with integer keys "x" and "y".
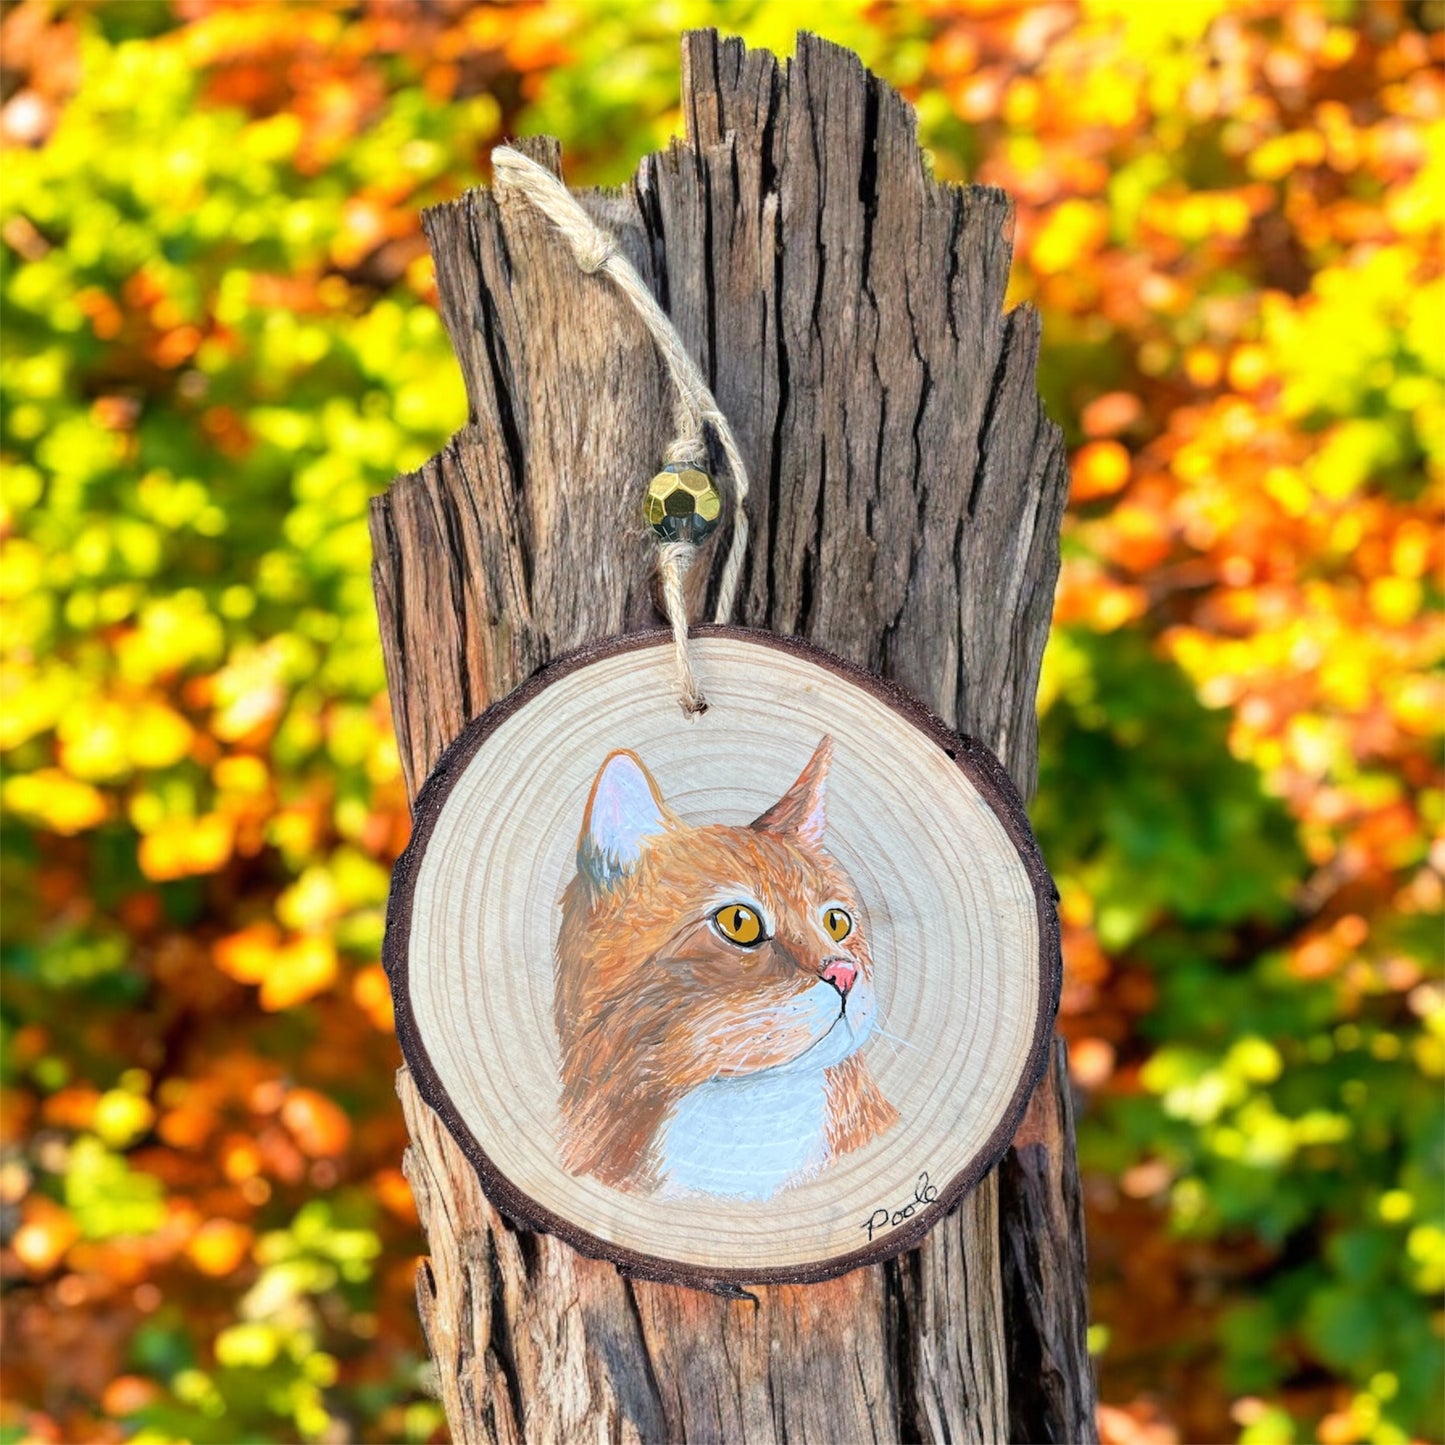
{"x": 663, "y": 1081}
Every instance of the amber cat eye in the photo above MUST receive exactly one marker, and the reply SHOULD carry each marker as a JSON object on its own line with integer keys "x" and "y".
{"x": 838, "y": 923}
{"x": 740, "y": 923}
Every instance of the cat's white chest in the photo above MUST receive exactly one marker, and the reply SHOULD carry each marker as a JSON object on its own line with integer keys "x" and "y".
{"x": 745, "y": 1138}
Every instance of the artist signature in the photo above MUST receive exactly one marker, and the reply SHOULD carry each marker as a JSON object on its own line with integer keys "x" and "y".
{"x": 923, "y": 1193}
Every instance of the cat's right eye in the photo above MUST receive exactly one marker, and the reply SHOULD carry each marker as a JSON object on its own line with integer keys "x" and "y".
{"x": 739, "y": 924}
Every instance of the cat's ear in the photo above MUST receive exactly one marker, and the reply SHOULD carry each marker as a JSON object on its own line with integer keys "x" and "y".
{"x": 624, "y": 811}
{"x": 800, "y": 811}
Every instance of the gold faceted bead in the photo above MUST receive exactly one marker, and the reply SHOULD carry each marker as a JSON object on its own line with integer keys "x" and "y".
{"x": 682, "y": 504}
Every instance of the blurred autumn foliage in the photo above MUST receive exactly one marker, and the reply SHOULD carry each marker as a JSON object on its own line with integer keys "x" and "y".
{"x": 219, "y": 341}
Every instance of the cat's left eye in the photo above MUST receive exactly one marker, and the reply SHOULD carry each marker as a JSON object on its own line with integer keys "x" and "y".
{"x": 838, "y": 923}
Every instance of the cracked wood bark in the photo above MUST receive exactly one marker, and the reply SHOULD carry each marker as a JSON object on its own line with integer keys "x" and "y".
{"x": 907, "y": 492}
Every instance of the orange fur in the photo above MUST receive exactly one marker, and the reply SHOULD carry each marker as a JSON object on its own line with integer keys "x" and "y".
{"x": 653, "y": 1001}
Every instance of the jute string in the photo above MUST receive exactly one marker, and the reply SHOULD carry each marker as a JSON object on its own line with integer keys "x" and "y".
{"x": 596, "y": 253}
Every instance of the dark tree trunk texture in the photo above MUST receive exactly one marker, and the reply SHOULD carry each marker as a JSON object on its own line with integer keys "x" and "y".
{"x": 907, "y": 494}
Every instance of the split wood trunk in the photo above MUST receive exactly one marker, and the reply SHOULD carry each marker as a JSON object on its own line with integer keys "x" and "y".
{"x": 907, "y": 493}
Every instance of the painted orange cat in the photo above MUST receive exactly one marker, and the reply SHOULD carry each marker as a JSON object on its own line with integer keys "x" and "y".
{"x": 713, "y": 990}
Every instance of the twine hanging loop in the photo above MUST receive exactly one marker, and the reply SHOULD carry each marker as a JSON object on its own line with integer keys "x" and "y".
{"x": 596, "y": 253}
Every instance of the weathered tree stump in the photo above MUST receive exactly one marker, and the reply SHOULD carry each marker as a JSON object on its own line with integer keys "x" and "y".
{"x": 907, "y": 492}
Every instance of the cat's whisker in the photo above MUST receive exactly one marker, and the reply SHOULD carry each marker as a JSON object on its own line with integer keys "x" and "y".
{"x": 892, "y": 1038}
{"x": 890, "y": 1044}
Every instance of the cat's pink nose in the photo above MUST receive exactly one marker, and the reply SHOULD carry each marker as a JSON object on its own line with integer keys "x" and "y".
{"x": 840, "y": 975}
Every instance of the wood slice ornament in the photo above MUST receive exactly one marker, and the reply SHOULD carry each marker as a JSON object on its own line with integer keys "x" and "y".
{"x": 747, "y": 991}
